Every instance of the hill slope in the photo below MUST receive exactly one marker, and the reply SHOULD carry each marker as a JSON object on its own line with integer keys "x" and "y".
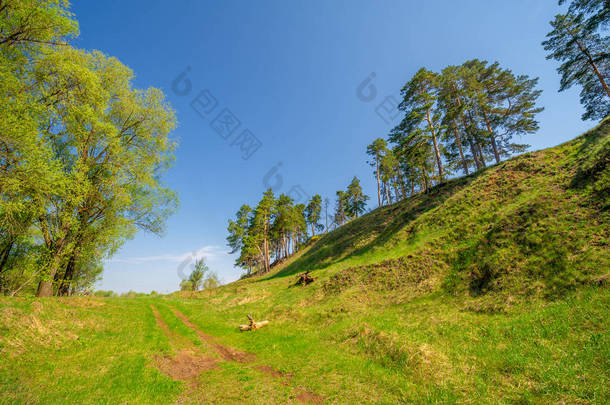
{"x": 535, "y": 225}
{"x": 425, "y": 284}
{"x": 489, "y": 289}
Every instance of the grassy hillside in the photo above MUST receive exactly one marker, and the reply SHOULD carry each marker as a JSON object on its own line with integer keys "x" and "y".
{"x": 489, "y": 289}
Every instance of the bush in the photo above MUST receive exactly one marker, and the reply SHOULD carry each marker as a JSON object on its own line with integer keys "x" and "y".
{"x": 104, "y": 293}
{"x": 186, "y": 285}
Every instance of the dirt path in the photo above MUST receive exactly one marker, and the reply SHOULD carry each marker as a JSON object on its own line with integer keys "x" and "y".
{"x": 187, "y": 365}
{"x": 225, "y": 352}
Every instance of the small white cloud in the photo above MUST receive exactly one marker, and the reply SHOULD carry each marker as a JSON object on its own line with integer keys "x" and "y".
{"x": 206, "y": 252}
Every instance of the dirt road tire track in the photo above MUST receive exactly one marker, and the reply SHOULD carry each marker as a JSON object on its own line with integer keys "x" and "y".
{"x": 228, "y": 353}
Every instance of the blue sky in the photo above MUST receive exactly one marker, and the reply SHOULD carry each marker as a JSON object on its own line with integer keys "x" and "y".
{"x": 289, "y": 73}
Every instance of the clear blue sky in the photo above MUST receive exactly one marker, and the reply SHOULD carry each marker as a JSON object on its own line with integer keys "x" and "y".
{"x": 289, "y": 72}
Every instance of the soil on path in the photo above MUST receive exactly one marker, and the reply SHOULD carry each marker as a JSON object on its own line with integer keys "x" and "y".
{"x": 189, "y": 362}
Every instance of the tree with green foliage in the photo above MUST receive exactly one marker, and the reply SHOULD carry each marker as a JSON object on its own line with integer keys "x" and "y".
{"x": 111, "y": 159}
{"x": 417, "y": 156}
{"x": 312, "y": 213}
{"x": 28, "y": 30}
{"x": 421, "y": 120}
{"x": 466, "y": 115}
{"x": 451, "y": 95}
{"x": 298, "y": 226}
{"x": 95, "y": 149}
{"x": 376, "y": 150}
{"x": 390, "y": 176}
{"x": 506, "y": 105}
{"x": 595, "y": 12}
{"x": 198, "y": 274}
{"x": 186, "y": 285}
{"x": 240, "y": 241}
{"x": 260, "y": 229}
{"x": 341, "y": 208}
{"x": 356, "y": 199}
{"x": 274, "y": 229}
{"x": 281, "y": 229}
{"x": 31, "y": 24}
{"x": 584, "y": 54}
{"x": 210, "y": 281}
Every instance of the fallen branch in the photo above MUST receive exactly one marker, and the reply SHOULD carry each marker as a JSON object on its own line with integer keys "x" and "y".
{"x": 253, "y": 325}
{"x": 304, "y": 279}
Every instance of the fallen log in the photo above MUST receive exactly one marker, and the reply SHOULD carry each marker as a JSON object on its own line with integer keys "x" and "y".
{"x": 253, "y": 325}
{"x": 304, "y": 279}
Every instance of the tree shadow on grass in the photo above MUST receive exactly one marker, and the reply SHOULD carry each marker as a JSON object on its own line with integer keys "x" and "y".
{"x": 371, "y": 231}
{"x": 593, "y": 158}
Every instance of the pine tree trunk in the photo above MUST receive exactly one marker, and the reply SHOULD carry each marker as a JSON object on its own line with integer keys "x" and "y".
{"x": 594, "y": 67}
{"x": 495, "y": 148}
{"x": 326, "y": 216}
{"x": 286, "y": 245}
{"x": 401, "y": 183}
{"x": 436, "y": 149}
{"x": 458, "y": 142}
{"x": 266, "y": 247}
{"x": 473, "y": 150}
{"x": 480, "y": 151}
{"x": 378, "y": 185}
{"x": 396, "y": 191}
{"x": 425, "y": 178}
{"x": 492, "y": 136}
{"x": 387, "y": 193}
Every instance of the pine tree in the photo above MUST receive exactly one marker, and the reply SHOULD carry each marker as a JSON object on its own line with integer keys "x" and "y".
{"x": 422, "y": 120}
{"x": 450, "y": 101}
{"x": 312, "y": 213}
{"x": 389, "y": 171}
{"x": 238, "y": 229}
{"x": 596, "y": 12}
{"x": 376, "y": 150}
{"x": 341, "y": 208}
{"x": 585, "y": 57}
{"x": 260, "y": 227}
{"x": 356, "y": 199}
{"x": 299, "y": 226}
{"x": 283, "y": 224}
{"x": 507, "y": 107}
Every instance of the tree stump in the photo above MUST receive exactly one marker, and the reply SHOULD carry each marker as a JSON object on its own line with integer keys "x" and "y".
{"x": 253, "y": 325}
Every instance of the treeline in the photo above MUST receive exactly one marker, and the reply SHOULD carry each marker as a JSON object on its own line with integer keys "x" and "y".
{"x": 454, "y": 121}
{"x": 112, "y": 294}
{"x": 273, "y": 229}
{"x": 81, "y": 153}
{"x": 276, "y": 227}
{"x": 459, "y": 120}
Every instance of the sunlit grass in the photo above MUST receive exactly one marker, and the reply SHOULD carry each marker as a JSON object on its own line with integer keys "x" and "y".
{"x": 489, "y": 289}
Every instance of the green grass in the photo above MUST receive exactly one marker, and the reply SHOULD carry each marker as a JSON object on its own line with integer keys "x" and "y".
{"x": 489, "y": 289}
{"x": 62, "y": 353}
